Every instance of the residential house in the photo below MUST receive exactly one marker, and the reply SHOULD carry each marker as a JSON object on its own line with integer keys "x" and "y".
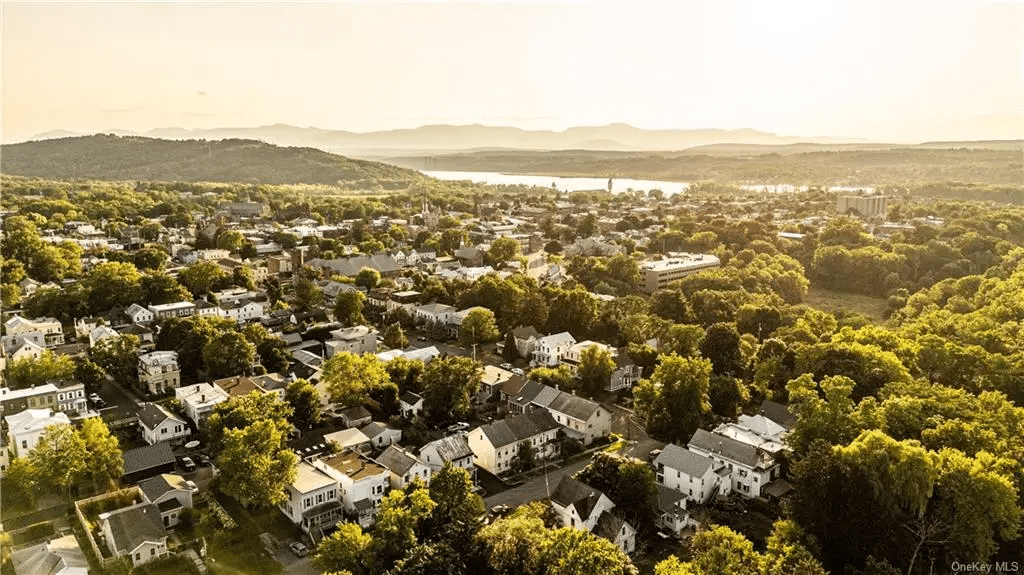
{"x": 404, "y": 466}
{"x": 158, "y": 424}
{"x": 582, "y": 507}
{"x": 61, "y": 395}
{"x": 314, "y": 499}
{"x": 356, "y": 416}
{"x": 25, "y": 350}
{"x": 350, "y": 438}
{"x": 158, "y": 372}
{"x": 42, "y": 331}
{"x": 170, "y": 493}
{"x": 750, "y": 468}
{"x": 26, "y": 427}
{"x": 692, "y": 474}
{"x": 582, "y": 418}
{"x": 332, "y": 289}
{"x": 491, "y": 380}
{"x": 381, "y": 435}
{"x": 778, "y": 413}
{"x": 140, "y": 331}
{"x": 136, "y": 532}
{"x": 453, "y": 449}
{"x": 59, "y": 556}
{"x": 138, "y": 314}
{"x": 205, "y": 308}
{"x": 176, "y": 309}
{"x": 671, "y": 506}
{"x": 241, "y": 312}
{"x": 496, "y": 445}
{"x": 5, "y": 454}
{"x": 358, "y": 339}
{"x": 573, "y": 355}
{"x": 433, "y": 313}
{"x": 526, "y": 340}
{"x": 410, "y": 405}
{"x": 550, "y": 349}
{"x": 626, "y": 374}
{"x": 199, "y": 400}
{"x": 363, "y": 483}
{"x": 100, "y": 333}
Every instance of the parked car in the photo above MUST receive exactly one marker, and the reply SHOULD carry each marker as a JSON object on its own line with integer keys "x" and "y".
{"x": 188, "y": 464}
{"x": 506, "y": 366}
{"x": 460, "y": 426}
{"x": 298, "y": 548}
{"x": 203, "y": 460}
{"x": 517, "y": 371}
{"x": 94, "y": 397}
{"x": 99, "y": 403}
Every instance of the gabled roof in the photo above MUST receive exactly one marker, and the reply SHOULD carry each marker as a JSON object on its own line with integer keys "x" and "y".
{"x": 725, "y": 447}
{"x": 411, "y": 399}
{"x": 519, "y": 428}
{"x": 152, "y": 416}
{"x": 610, "y": 525}
{"x": 136, "y": 308}
{"x": 375, "y": 428}
{"x": 451, "y": 448}
{"x": 564, "y": 338}
{"x": 61, "y": 556}
{"x": 355, "y": 413}
{"x": 148, "y": 457}
{"x": 350, "y": 437}
{"x": 684, "y": 460}
{"x": 778, "y": 413}
{"x": 135, "y": 525}
{"x": 573, "y": 493}
{"x": 157, "y": 486}
{"x": 525, "y": 332}
{"x": 398, "y": 460}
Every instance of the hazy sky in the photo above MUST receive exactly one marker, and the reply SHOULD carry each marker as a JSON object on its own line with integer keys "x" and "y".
{"x": 893, "y": 69}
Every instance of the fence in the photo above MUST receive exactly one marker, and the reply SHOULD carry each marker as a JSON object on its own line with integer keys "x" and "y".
{"x": 105, "y": 562}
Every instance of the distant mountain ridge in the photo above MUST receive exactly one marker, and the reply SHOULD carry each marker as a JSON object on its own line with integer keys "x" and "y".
{"x": 110, "y": 157}
{"x": 450, "y": 138}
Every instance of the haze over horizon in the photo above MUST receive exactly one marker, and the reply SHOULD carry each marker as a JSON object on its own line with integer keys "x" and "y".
{"x": 905, "y": 71}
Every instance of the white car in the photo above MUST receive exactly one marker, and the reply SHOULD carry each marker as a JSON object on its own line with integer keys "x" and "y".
{"x": 299, "y": 548}
{"x": 460, "y": 426}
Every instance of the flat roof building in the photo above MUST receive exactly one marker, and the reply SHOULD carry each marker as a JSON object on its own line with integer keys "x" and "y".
{"x": 658, "y": 274}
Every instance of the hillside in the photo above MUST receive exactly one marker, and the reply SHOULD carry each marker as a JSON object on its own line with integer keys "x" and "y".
{"x": 855, "y": 167}
{"x": 108, "y": 157}
{"x": 444, "y": 138}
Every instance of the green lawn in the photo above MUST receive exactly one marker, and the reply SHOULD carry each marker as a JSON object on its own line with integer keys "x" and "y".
{"x": 832, "y": 301}
{"x": 239, "y": 550}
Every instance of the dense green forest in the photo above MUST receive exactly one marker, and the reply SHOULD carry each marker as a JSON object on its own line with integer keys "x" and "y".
{"x": 108, "y": 157}
{"x": 851, "y": 168}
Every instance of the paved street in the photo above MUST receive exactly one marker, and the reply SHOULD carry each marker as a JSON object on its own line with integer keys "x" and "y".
{"x": 625, "y": 423}
{"x": 536, "y": 488}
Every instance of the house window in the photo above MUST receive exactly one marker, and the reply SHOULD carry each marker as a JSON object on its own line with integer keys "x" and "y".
{"x": 138, "y": 556}
{"x": 152, "y": 552}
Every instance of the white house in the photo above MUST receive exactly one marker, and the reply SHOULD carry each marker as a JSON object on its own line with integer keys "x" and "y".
{"x": 358, "y": 339}
{"x": 158, "y": 424}
{"x": 136, "y": 532}
{"x": 496, "y": 445}
{"x": 433, "y": 312}
{"x": 550, "y": 349}
{"x": 692, "y": 474}
{"x": 404, "y": 466}
{"x": 138, "y": 314}
{"x": 60, "y": 556}
{"x": 26, "y": 427}
{"x": 410, "y": 405}
{"x": 582, "y": 419}
{"x": 453, "y": 449}
{"x": 582, "y": 507}
{"x": 26, "y": 349}
{"x": 158, "y": 371}
{"x": 241, "y": 312}
{"x": 381, "y": 435}
{"x": 314, "y": 499}
{"x": 673, "y": 515}
{"x": 199, "y": 400}
{"x": 350, "y": 438}
{"x": 100, "y": 333}
{"x": 363, "y": 482}
{"x": 43, "y": 331}
{"x": 526, "y": 340}
{"x": 750, "y": 468}
{"x": 170, "y": 493}
{"x": 176, "y": 309}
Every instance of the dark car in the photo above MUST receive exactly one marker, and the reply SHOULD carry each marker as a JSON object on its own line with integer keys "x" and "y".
{"x": 203, "y": 460}
{"x": 188, "y": 464}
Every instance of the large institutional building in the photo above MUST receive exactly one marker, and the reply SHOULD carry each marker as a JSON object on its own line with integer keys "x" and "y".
{"x": 658, "y": 274}
{"x": 865, "y": 206}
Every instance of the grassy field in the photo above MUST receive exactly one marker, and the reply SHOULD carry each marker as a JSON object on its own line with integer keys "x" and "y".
{"x": 832, "y": 301}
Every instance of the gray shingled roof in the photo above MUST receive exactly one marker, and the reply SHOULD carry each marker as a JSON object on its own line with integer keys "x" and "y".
{"x": 684, "y": 460}
{"x": 410, "y": 397}
{"x": 609, "y": 525}
{"x": 133, "y": 526}
{"x": 778, "y": 413}
{"x": 452, "y": 447}
{"x": 152, "y": 415}
{"x": 147, "y": 457}
{"x": 571, "y": 492}
{"x": 726, "y": 447}
{"x": 574, "y": 406}
{"x": 155, "y": 487}
{"x": 519, "y": 428}
{"x": 397, "y": 460}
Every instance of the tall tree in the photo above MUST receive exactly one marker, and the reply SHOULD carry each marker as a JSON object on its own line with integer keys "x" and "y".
{"x": 60, "y": 456}
{"x": 394, "y": 337}
{"x": 305, "y": 402}
{"x": 348, "y": 308}
{"x": 349, "y": 378}
{"x": 675, "y": 399}
{"x": 368, "y": 278}
{"x": 29, "y": 371}
{"x": 227, "y": 354}
{"x": 448, "y": 383}
{"x": 478, "y": 327}
{"x": 596, "y": 368}
{"x": 256, "y": 465}
{"x": 347, "y": 549}
{"x": 721, "y": 345}
{"x": 203, "y": 277}
{"x": 103, "y": 458}
{"x": 119, "y": 356}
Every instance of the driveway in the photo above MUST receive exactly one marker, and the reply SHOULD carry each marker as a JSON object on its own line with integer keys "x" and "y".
{"x": 626, "y": 424}
{"x": 536, "y": 488}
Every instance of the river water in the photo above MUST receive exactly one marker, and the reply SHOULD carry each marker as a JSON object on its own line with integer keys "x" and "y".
{"x": 563, "y": 184}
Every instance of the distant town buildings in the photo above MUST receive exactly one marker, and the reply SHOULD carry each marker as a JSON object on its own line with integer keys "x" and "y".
{"x": 659, "y": 274}
{"x": 864, "y": 206}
